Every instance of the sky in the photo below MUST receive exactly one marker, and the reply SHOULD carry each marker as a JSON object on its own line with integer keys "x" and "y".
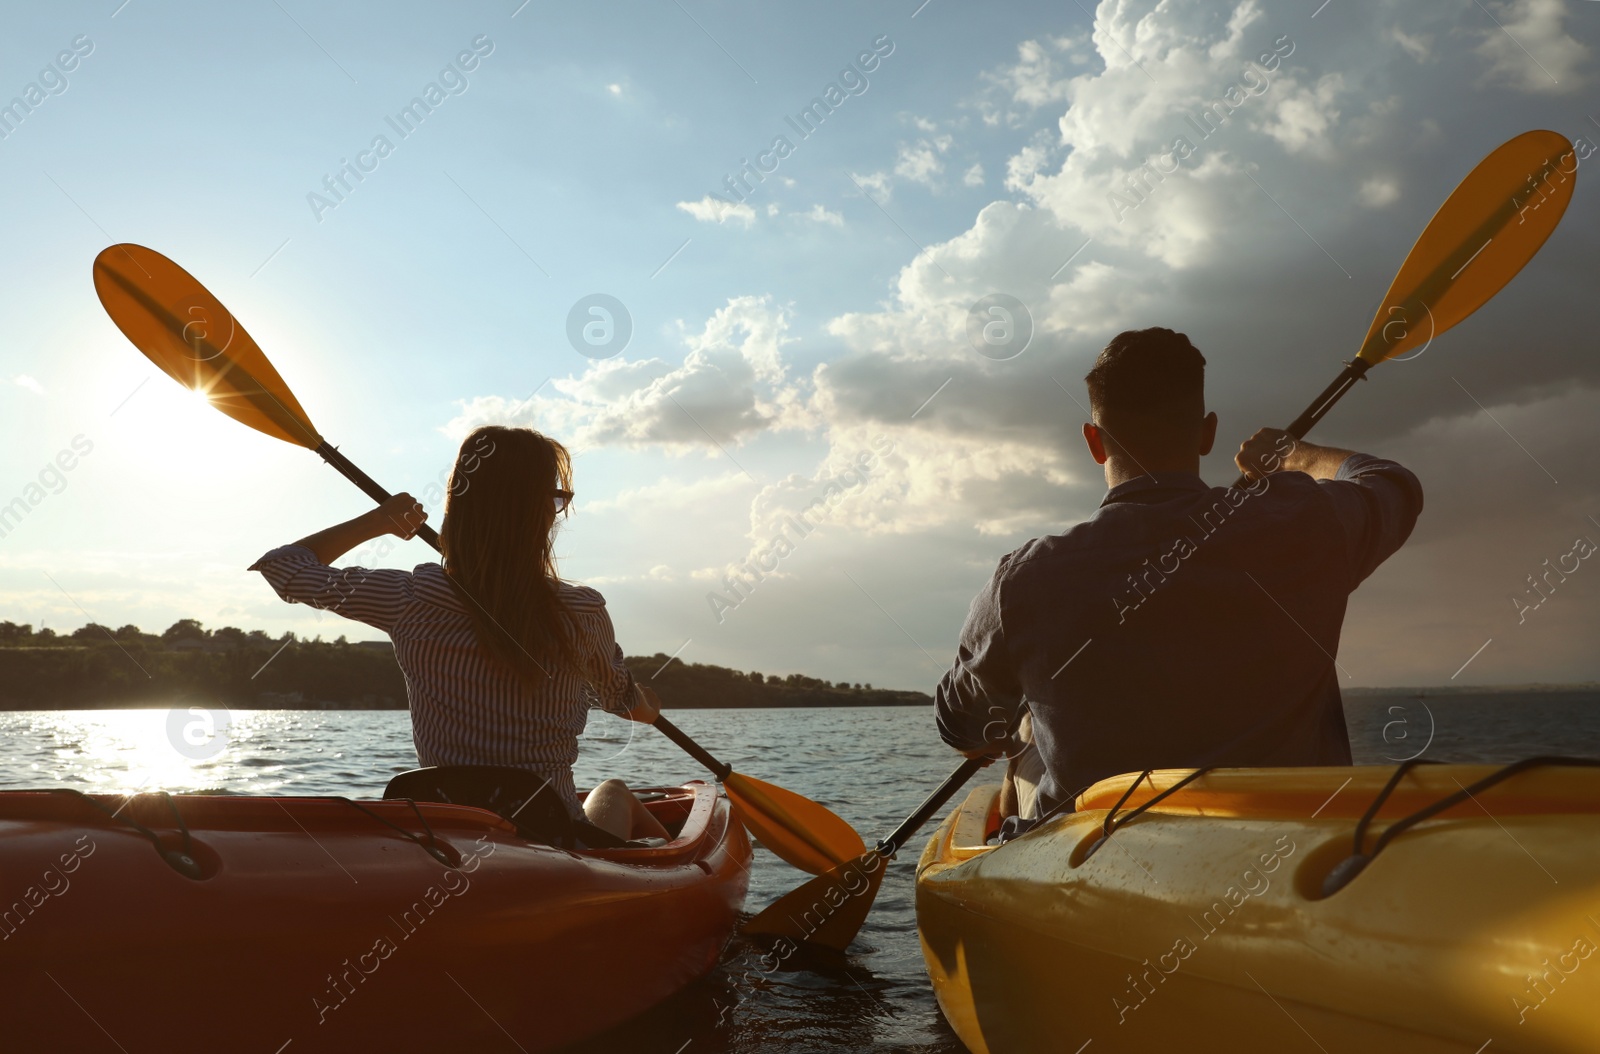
{"x": 804, "y": 293}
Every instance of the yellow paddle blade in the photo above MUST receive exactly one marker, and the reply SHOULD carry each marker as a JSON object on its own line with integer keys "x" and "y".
{"x": 182, "y": 328}
{"x": 797, "y": 829}
{"x": 826, "y": 911}
{"x": 1489, "y": 227}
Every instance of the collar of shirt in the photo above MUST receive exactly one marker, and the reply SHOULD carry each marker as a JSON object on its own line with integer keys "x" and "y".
{"x": 1155, "y": 486}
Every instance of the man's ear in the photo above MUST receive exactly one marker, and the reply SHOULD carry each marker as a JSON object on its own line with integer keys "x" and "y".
{"x": 1208, "y": 433}
{"x": 1097, "y": 444}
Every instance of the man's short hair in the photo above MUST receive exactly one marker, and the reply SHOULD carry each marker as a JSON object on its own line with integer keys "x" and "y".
{"x": 1147, "y": 389}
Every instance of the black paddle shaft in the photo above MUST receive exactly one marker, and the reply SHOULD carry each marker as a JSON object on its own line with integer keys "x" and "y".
{"x": 935, "y": 801}
{"x": 690, "y": 747}
{"x": 1353, "y": 371}
{"x": 347, "y": 468}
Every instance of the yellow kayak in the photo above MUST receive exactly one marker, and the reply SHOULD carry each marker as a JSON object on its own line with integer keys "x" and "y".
{"x": 1227, "y": 916}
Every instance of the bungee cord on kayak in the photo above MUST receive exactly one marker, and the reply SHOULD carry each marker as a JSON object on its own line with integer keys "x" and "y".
{"x": 184, "y": 863}
{"x": 180, "y": 860}
{"x": 1360, "y": 857}
{"x": 1116, "y": 819}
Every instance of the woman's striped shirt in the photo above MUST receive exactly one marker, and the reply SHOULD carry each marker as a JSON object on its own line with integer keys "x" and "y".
{"x": 467, "y": 707}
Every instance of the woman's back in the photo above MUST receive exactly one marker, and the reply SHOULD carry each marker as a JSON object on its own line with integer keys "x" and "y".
{"x": 467, "y": 706}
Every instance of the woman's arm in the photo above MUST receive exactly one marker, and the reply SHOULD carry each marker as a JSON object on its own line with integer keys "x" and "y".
{"x": 300, "y": 574}
{"x": 401, "y": 515}
{"x": 647, "y": 708}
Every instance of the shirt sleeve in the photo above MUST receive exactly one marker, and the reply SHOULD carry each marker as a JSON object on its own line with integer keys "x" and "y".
{"x": 1377, "y": 502}
{"x": 613, "y": 681}
{"x": 377, "y": 597}
{"x": 979, "y": 703}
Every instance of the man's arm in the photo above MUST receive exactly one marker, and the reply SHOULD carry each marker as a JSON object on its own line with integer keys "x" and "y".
{"x": 1377, "y": 501}
{"x": 1274, "y": 450}
{"x": 979, "y": 702}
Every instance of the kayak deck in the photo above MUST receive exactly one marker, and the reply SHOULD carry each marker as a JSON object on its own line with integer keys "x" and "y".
{"x": 1206, "y": 916}
{"x": 334, "y": 924}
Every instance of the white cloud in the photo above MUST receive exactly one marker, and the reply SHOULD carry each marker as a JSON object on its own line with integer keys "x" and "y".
{"x": 23, "y": 380}
{"x": 1028, "y": 163}
{"x": 920, "y": 162}
{"x": 712, "y": 209}
{"x": 1302, "y": 116}
{"x": 1039, "y": 77}
{"x": 731, "y": 384}
{"x": 973, "y": 176}
{"x": 1530, "y": 49}
{"x": 1418, "y": 47}
{"x": 1379, "y": 191}
{"x": 877, "y": 184}
{"x": 818, "y": 214}
{"x": 1158, "y": 166}
{"x": 672, "y": 494}
{"x": 614, "y": 89}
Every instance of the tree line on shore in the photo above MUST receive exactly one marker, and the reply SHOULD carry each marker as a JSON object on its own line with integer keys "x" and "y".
{"x": 97, "y": 666}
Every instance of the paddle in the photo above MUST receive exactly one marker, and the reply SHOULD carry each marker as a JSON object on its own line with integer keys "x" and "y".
{"x": 1489, "y": 227}
{"x": 186, "y": 331}
{"x": 828, "y": 910}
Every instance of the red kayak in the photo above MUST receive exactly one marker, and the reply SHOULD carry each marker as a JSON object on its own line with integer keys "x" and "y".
{"x": 219, "y": 923}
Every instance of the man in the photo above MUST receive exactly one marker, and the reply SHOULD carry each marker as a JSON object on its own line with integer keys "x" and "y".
{"x": 1181, "y": 625}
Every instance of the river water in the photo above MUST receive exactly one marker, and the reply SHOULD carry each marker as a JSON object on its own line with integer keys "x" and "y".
{"x": 871, "y": 766}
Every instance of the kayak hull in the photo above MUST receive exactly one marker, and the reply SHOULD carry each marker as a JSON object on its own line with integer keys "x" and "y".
{"x": 1203, "y": 921}
{"x": 313, "y": 926}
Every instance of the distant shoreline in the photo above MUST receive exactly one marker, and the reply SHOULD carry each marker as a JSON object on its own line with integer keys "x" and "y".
{"x": 1448, "y": 691}
{"x": 812, "y": 703}
{"x": 1429, "y": 694}
{"x": 335, "y": 707}
{"x": 186, "y": 665}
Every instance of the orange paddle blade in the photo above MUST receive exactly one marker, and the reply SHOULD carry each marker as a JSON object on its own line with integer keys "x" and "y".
{"x": 1490, "y": 226}
{"x": 182, "y": 328}
{"x": 826, "y": 911}
{"x": 796, "y": 829}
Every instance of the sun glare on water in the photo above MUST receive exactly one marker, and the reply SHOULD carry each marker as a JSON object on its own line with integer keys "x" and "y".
{"x": 195, "y": 748}
{"x": 184, "y": 749}
{"x": 124, "y": 751}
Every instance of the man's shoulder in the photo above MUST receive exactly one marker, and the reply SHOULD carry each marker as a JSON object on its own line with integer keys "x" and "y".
{"x": 1117, "y": 525}
{"x": 1044, "y": 549}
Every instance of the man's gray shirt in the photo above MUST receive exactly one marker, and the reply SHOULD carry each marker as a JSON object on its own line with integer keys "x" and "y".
{"x": 1181, "y": 625}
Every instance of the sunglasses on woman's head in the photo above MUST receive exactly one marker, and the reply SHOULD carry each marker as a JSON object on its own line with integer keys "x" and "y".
{"x": 563, "y": 499}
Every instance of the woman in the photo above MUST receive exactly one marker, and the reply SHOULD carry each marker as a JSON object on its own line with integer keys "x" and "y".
{"x": 500, "y": 656}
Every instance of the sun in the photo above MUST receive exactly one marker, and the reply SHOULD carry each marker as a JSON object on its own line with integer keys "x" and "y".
{"x": 168, "y": 421}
